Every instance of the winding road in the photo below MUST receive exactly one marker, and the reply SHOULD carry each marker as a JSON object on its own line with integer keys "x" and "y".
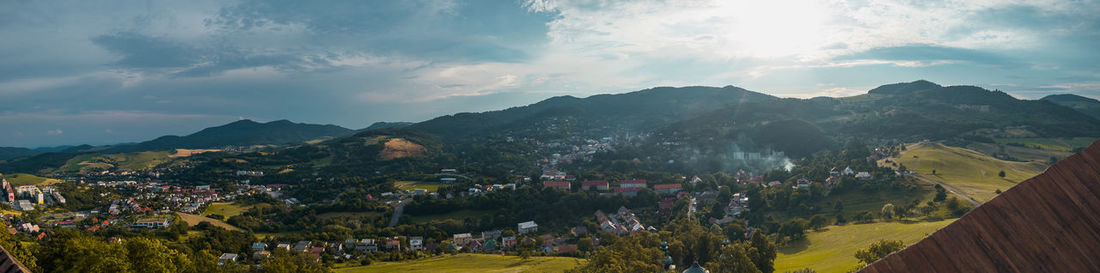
{"x": 949, "y": 188}
{"x": 397, "y": 212}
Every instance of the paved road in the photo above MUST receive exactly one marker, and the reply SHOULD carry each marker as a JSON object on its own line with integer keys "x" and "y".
{"x": 948, "y": 188}
{"x": 397, "y": 212}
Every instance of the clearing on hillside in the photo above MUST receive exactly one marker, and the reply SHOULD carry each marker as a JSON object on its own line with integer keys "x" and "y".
{"x": 973, "y": 173}
{"x": 399, "y": 147}
{"x": 466, "y": 262}
{"x": 21, "y": 179}
{"x": 412, "y": 185}
{"x": 226, "y": 209}
{"x": 192, "y": 220}
{"x": 833, "y": 249}
{"x": 189, "y": 152}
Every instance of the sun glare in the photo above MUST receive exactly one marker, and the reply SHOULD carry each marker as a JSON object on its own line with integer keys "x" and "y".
{"x": 768, "y": 29}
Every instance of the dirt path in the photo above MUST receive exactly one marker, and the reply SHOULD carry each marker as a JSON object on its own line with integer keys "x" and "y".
{"x": 949, "y": 188}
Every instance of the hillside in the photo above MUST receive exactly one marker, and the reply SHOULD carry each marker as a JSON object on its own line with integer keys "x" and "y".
{"x": 974, "y": 173}
{"x": 597, "y": 115}
{"x": 1088, "y": 106}
{"x": 1047, "y": 223}
{"x": 241, "y": 133}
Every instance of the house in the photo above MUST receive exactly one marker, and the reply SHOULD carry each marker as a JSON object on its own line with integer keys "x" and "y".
{"x": 848, "y": 171}
{"x": 490, "y": 245}
{"x": 595, "y": 185}
{"x": 462, "y": 239}
{"x": 578, "y": 231}
{"x": 561, "y": 185}
{"x": 525, "y": 227}
{"x": 448, "y": 180}
{"x": 366, "y": 245}
{"x": 834, "y": 171}
{"x": 832, "y": 181}
{"x": 803, "y": 183}
{"x": 508, "y": 242}
{"x": 664, "y": 207}
{"x": 257, "y": 246}
{"x": 262, "y": 254}
{"x": 416, "y": 243}
{"x": 301, "y": 246}
{"x": 283, "y": 247}
{"x": 393, "y": 244}
{"x": 863, "y": 176}
{"x": 636, "y": 183}
{"x": 151, "y": 223}
{"x": 695, "y": 180}
{"x": 227, "y": 257}
{"x": 668, "y": 188}
{"x": 567, "y": 248}
{"x": 628, "y": 191}
{"x": 774, "y": 183}
{"x": 608, "y": 226}
{"x": 490, "y": 235}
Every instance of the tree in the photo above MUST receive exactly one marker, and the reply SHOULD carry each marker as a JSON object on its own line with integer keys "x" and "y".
{"x": 818, "y": 221}
{"x": 795, "y": 228}
{"x": 283, "y": 262}
{"x": 877, "y": 250}
{"x": 584, "y": 244}
{"x": 150, "y": 255}
{"x": 941, "y": 194}
{"x": 762, "y": 253}
{"x": 732, "y": 258}
{"x": 998, "y": 191}
{"x": 887, "y": 211}
{"x": 933, "y": 171}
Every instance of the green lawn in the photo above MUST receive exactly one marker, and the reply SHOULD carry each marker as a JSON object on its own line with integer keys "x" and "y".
{"x": 226, "y": 209}
{"x": 974, "y": 173}
{"x": 482, "y": 263}
{"x": 457, "y": 215}
{"x": 125, "y": 161}
{"x": 20, "y": 179}
{"x": 833, "y": 249}
{"x": 1051, "y": 143}
{"x": 412, "y": 185}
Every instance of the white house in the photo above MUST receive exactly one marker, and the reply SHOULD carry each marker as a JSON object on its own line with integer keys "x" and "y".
{"x": 526, "y": 227}
{"x": 416, "y": 243}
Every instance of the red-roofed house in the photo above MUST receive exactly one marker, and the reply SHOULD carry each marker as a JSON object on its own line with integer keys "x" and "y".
{"x": 597, "y": 185}
{"x": 668, "y": 188}
{"x": 561, "y": 185}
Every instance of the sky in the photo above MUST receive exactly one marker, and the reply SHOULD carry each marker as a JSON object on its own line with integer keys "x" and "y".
{"x": 103, "y": 72}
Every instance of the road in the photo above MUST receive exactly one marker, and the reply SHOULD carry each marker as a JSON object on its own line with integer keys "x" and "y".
{"x": 948, "y": 188}
{"x": 397, "y": 212}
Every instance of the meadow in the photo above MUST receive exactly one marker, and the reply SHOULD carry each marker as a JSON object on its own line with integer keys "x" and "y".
{"x": 833, "y": 249}
{"x": 973, "y": 173}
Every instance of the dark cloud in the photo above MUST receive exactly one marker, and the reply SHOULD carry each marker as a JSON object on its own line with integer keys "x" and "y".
{"x": 141, "y": 51}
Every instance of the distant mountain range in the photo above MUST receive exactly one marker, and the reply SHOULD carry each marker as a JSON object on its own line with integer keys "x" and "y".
{"x": 702, "y": 115}
{"x": 242, "y": 133}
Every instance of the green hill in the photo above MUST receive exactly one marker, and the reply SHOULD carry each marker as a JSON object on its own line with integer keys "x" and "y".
{"x": 1088, "y": 106}
{"x": 974, "y": 173}
{"x": 241, "y": 133}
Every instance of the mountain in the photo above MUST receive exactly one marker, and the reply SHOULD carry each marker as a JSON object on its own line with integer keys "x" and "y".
{"x": 242, "y": 133}
{"x": 1089, "y": 106}
{"x": 7, "y": 153}
{"x": 907, "y": 111}
{"x": 598, "y": 115}
{"x": 387, "y": 125}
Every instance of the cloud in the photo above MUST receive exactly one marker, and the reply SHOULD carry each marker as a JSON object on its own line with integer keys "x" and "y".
{"x": 931, "y": 53}
{"x": 54, "y": 132}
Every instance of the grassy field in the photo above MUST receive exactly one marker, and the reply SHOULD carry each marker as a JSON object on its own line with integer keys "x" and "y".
{"x": 457, "y": 215}
{"x": 466, "y": 262}
{"x": 412, "y": 185}
{"x": 125, "y": 161}
{"x": 20, "y": 179}
{"x": 194, "y": 219}
{"x": 974, "y": 173}
{"x": 1052, "y": 143}
{"x": 227, "y": 209}
{"x": 833, "y": 249}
